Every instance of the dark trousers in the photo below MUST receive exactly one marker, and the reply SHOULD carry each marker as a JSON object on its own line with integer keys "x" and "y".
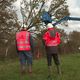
{"x": 55, "y": 57}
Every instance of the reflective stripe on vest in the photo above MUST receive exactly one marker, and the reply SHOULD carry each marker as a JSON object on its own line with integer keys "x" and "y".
{"x": 23, "y": 47}
{"x": 52, "y": 43}
{"x": 23, "y": 41}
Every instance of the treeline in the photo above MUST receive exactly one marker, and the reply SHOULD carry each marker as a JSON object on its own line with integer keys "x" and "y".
{"x": 70, "y": 44}
{"x": 9, "y": 24}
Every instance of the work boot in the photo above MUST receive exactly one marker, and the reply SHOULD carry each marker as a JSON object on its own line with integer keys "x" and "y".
{"x": 49, "y": 77}
{"x": 59, "y": 69}
{"x": 23, "y": 70}
{"x": 30, "y": 69}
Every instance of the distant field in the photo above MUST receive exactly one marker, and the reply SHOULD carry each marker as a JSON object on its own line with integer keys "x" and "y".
{"x": 9, "y": 70}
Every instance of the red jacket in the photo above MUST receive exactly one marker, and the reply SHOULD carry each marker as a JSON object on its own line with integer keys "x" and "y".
{"x": 23, "y": 41}
{"x": 51, "y": 41}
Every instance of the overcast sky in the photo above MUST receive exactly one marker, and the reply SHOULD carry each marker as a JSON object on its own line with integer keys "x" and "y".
{"x": 74, "y": 9}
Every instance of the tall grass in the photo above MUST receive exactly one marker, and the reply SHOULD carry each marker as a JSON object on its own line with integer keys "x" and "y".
{"x": 70, "y": 65}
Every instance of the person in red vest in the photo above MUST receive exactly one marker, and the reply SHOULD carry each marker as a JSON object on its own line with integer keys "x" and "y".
{"x": 51, "y": 40}
{"x": 24, "y": 44}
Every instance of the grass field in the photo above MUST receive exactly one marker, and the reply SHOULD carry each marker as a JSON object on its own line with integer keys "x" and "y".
{"x": 70, "y": 64}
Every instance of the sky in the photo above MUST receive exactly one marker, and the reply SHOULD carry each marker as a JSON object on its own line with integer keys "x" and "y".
{"x": 74, "y": 9}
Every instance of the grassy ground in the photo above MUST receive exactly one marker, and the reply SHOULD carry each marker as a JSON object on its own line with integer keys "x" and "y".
{"x": 70, "y": 64}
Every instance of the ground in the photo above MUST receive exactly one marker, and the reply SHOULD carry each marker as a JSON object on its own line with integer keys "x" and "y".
{"x": 70, "y": 65}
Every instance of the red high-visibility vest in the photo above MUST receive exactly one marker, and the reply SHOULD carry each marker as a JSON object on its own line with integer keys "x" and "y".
{"x": 23, "y": 41}
{"x": 51, "y": 41}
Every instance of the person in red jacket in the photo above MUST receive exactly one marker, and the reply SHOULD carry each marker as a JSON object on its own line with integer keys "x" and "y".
{"x": 24, "y": 44}
{"x": 51, "y": 39}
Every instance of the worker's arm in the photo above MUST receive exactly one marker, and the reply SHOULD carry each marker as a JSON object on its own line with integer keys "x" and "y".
{"x": 32, "y": 43}
{"x": 16, "y": 46}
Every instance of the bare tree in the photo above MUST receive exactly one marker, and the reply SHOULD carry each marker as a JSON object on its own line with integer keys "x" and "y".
{"x": 33, "y": 9}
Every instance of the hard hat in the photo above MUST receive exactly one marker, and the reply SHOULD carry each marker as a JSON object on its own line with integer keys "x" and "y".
{"x": 49, "y": 25}
{"x": 23, "y": 28}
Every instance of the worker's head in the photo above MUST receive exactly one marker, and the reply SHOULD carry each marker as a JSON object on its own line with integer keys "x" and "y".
{"x": 23, "y": 28}
{"x": 49, "y": 25}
